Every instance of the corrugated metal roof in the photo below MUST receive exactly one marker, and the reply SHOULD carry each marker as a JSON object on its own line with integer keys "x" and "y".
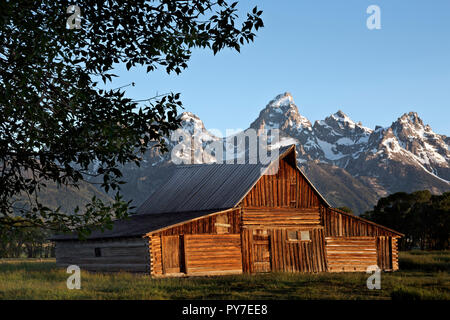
{"x": 201, "y": 187}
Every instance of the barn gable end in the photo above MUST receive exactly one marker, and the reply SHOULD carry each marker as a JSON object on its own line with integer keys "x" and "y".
{"x": 284, "y": 185}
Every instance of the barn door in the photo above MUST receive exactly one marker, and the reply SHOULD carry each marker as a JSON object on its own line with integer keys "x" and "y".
{"x": 171, "y": 254}
{"x": 261, "y": 251}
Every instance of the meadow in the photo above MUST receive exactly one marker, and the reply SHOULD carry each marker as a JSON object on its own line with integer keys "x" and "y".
{"x": 423, "y": 275}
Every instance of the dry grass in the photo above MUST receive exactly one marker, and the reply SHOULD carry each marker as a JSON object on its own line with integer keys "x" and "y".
{"x": 423, "y": 275}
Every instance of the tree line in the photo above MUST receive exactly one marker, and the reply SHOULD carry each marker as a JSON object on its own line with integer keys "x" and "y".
{"x": 21, "y": 241}
{"x": 424, "y": 218}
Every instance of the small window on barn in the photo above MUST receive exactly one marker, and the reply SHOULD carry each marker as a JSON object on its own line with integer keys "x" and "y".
{"x": 304, "y": 235}
{"x": 98, "y": 252}
{"x": 292, "y": 235}
{"x": 260, "y": 232}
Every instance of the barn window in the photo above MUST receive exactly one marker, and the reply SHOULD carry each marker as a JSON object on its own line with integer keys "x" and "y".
{"x": 98, "y": 252}
{"x": 304, "y": 235}
{"x": 260, "y": 232}
{"x": 292, "y": 235}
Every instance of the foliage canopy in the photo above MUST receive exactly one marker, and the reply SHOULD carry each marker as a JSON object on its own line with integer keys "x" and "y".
{"x": 55, "y": 118}
{"x": 423, "y": 218}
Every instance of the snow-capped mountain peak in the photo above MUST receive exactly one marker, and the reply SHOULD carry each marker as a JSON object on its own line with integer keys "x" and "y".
{"x": 341, "y": 117}
{"x": 191, "y": 122}
{"x": 282, "y": 101}
{"x": 341, "y": 138}
{"x": 345, "y": 121}
{"x": 411, "y": 117}
{"x": 281, "y": 113}
{"x": 428, "y": 148}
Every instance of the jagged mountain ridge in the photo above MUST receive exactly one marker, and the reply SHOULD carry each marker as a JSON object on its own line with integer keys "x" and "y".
{"x": 405, "y": 156}
{"x": 339, "y": 140}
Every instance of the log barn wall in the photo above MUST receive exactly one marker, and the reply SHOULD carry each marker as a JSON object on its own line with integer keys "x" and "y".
{"x": 128, "y": 254}
{"x": 387, "y": 253}
{"x": 207, "y": 254}
{"x": 349, "y": 254}
{"x": 221, "y": 223}
{"x": 155, "y": 255}
{"x": 341, "y": 224}
{"x": 280, "y": 217}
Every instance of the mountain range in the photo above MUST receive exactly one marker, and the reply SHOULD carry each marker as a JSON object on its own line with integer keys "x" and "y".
{"x": 350, "y": 164}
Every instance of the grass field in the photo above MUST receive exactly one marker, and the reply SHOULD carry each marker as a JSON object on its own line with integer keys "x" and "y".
{"x": 422, "y": 275}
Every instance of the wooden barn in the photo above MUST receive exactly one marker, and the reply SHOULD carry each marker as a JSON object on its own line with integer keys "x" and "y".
{"x": 217, "y": 219}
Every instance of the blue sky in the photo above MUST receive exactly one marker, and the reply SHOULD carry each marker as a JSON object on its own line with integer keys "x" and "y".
{"x": 323, "y": 53}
